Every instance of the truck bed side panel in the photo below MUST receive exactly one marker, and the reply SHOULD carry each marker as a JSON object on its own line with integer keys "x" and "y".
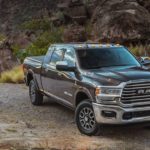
{"x": 33, "y": 65}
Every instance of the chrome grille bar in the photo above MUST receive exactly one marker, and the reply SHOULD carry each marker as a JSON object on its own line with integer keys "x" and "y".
{"x": 130, "y": 96}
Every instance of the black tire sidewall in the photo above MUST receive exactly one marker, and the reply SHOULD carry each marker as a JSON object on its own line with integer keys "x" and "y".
{"x": 83, "y": 104}
{"x": 38, "y": 100}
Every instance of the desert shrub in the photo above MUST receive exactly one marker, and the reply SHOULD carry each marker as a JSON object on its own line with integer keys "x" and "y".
{"x": 60, "y": 16}
{"x": 49, "y": 35}
{"x": 88, "y": 30}
{"x": 37, "y": 24}
{"x": 40, "y": 46}
{"x": 2, "y": 37}
{"x": 12, "y": 76}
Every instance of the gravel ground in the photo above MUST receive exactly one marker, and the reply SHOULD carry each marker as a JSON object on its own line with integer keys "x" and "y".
{"x": 52, "y": 126}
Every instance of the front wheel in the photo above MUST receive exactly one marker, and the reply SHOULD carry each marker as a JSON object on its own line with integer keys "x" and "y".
{"x": 85, "y": 119}
{"x": 35, "y": 96}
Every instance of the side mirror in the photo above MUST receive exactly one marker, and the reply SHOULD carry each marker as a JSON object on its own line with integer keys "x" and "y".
{"x": 144, "y": 60}
{"x": 63, "y": 66}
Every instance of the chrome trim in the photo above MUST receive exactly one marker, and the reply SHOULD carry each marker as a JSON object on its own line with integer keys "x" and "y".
{"x": 135, "y": 85}
{"x": 135, "y": 88}
{"x": 57, "y": 98}
{"x": 138, "y": 97}
{"x": 129, "y": 96}
{"x": 131, "y": 102}
{"x": 98, "y": 108}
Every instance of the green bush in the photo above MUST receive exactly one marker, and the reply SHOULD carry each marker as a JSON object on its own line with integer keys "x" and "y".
{"x": 37, "y": 24}
{"x": 49, "y": 35}
{"x": 40, "y": 46}
{"x": 2, "y": 37}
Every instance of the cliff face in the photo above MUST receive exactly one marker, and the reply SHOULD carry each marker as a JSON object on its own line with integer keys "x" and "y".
{"x": 108, "y": 20}
{"x": 13, "y": 13}
{"x": 122, "y": 19}
{"x": 127, "y": 20}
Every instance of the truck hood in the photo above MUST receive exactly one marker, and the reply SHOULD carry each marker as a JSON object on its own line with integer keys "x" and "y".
{"x": 116, "y": 75}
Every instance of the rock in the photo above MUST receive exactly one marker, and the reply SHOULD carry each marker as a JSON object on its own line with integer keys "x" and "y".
{"x": 119, "y": 21}
{"x": 90, "y": 6}
{"x": 74, "y": 10}
{"x": 145, "y": 3}
{"x": 7, "y": 59}
{"x": 75, "y": 33}
{"x": 81, "y": 20}
{"x": 110, "y": 20}
{"x": 74, "y": 3}
{"x": 14, "y": 13}
{"x": 63, "y": 6}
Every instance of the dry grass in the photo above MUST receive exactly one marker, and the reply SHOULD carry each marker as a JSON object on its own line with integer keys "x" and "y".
{"x": 12, "y": 76}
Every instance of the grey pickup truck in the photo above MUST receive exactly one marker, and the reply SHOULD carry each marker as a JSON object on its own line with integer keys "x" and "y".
{"x": 102, "y": 83}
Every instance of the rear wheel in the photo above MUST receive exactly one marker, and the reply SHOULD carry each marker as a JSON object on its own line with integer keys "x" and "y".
{"x": 35, "y": 96}
{"x": 85, "y": 119}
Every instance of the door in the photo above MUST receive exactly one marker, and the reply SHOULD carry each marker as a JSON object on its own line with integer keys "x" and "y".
{"x": 49, "y": 72}
{"x": 65, "y": 80}
{"x": 60, "y": 84}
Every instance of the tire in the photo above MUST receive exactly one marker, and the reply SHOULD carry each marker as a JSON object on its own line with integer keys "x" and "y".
{"x": 35, "y": 96}
{"x": 85, "y": 119}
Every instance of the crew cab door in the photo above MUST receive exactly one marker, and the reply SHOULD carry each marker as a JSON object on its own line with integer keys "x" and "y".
{"x": 49, "y": 73}
{"x": 56, "y": 83}
{"x": 65, "y": 83}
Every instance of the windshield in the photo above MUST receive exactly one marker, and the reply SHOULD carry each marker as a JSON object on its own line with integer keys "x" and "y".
{"x": 105, "y": 57}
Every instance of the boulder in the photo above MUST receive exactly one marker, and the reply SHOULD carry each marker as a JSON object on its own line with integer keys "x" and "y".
{"x": 121, "y": 20}
{"x": 75, "y": 33}
{"x": 145, "y": 3}
{"x": 74, "y": 11}
{"x": 7, "y": 59}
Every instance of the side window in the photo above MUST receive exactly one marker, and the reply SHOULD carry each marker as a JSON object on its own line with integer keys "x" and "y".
{"x": 70, "y": 56}
{"x": 48, "y": 55}
{"x": 58, "y": 55}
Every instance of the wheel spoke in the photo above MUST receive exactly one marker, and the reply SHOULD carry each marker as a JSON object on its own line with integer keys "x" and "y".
{"x": 81, "y": 115}
{"x": 87, "y": 119}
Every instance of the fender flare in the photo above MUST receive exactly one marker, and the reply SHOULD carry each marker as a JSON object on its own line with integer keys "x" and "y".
{"x": 85, "y": 91}
{"x": 33, "y": 75}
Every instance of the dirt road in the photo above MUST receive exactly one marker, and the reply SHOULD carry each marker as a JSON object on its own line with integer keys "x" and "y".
{"x": 51, "y": 126}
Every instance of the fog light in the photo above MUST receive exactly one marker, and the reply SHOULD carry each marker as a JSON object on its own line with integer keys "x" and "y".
{"x": 109, "y": 114}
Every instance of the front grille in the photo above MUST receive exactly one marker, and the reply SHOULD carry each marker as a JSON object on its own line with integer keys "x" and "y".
{"x": 136, "y": 93}
{"x": 130, "y": 115}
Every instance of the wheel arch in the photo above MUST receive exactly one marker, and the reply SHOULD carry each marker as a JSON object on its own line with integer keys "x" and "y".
{"x": 81, "y": 96}
{"x": 29, "y": 77}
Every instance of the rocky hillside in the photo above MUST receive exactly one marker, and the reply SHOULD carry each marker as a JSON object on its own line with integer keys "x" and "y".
{"x": 123, "y": 21}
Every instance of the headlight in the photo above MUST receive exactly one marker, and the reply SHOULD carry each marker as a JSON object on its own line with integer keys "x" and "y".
{"x": 108, "y": 95}
{"x": 108, "y": 91}
{"x": 114, "y": 92}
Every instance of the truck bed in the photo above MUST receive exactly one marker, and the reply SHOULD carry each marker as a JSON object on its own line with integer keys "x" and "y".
{"x": 35, "y": 60}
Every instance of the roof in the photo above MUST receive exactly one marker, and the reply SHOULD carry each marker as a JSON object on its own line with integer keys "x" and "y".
{"x": 87, "y": 45}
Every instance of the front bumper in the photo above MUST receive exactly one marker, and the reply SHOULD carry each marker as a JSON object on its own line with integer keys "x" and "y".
{"x": 120, "y": 113}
